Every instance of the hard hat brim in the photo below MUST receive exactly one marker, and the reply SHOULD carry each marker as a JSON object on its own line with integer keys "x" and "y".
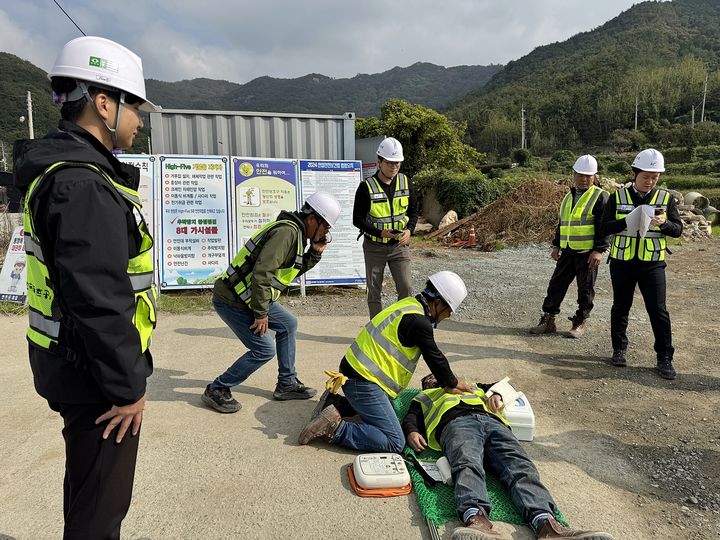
{"x": 149, "y": 106}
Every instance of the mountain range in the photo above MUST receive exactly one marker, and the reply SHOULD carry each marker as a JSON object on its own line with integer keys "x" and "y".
{"x": 654, "y": 58}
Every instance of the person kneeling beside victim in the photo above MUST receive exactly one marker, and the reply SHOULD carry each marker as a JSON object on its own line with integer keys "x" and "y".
{"x": 470, "y": 431}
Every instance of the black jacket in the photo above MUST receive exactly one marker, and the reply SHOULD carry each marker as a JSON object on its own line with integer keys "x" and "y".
{"x": 361, "y": 208}
{"x": 673, "y": 226}
{"x": 88, "y": 233}
{"x": 415, "y": 420}
{"x": 416, "y": 330}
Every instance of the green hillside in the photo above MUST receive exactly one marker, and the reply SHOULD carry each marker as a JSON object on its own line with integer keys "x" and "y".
{"x": 19, "y": 76}
{"x": 422, "y": 83}
{"x": 426, "y": 84}
{"x": 577, "y": 92}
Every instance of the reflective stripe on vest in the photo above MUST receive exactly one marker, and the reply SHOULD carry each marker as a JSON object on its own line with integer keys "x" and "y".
{"x": 239, "y": 274}
{"x": 45, "y": 316}
{"x": 377, "y": 354}
{"x": 435, "y": 402}
{"x": 625, "y": 246}
{"x": 577, "y": 223}
{"x": 384, "y": 216}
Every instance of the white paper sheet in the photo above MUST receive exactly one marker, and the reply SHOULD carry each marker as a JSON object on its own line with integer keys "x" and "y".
{"x": 638, "y": 221}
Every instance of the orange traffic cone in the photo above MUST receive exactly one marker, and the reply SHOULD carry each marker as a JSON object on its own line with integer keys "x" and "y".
{"x": 472, "y": 240}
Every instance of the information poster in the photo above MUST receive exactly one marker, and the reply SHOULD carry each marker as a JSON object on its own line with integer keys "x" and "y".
{"x": 13, "y": 277}
{"x": 262, "y": 188}
{"x": 342, "y": 261}
{"x": 195, "y": 220}
{"x": 146, "y": 164}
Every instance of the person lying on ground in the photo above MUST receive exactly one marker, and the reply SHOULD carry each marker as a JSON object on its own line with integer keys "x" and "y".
{"x": 471, "y": 432}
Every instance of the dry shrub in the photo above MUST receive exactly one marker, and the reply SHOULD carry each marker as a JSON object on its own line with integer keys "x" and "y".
{"x": 528, "y": 213}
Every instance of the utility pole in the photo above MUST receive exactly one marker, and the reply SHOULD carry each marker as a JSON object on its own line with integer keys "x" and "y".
{"x": 4, "y": 160}
{"x": 636, "y": 111}
{"x": 522, "y": 126}
{"x": 702, "y": 114}
{"x": 30, "y": 118}
{"x": 693, "y": 116}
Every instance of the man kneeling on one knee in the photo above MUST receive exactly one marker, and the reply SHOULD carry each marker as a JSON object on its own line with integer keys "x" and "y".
{"x": 379, "y": 365}
{"x": 470, "y": 430}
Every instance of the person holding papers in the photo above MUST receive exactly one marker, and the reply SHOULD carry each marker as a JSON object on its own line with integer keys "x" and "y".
{"x": 641, "y": 217}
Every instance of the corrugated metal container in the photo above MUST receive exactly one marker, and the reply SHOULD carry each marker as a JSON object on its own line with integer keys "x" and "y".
{"x": 255, "y": 134}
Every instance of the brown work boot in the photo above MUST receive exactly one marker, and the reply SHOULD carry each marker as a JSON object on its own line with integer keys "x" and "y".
{"x": 546, "y": 325}
{"x": 324, "y": 425}
{"x": 578, "y": 326}
{"x": 553, "y": 529}
{"x": 478, "y": 527}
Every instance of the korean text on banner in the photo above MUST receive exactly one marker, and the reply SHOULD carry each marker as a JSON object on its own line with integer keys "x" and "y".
{"x": 195, "y": 220}
{"x": 13, "y": 277}
{"x": 262, "y": 188}
{"x": 342, "y": 261}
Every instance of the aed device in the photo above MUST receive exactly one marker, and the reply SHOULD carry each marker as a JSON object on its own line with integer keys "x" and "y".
{"x": 378, "y": 471}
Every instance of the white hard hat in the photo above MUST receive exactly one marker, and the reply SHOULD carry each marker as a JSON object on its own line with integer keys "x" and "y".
{"x": 450, "y": 287}
{"x": 391, "y": 150}
{"x": 326, "y": 205}
{"x": 649, "y": 160}
{"x": 102, "y": 63}
{"x": 586, "y": 165}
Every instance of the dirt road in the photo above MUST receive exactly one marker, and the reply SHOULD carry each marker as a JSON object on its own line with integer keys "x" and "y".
{"x": 620, "y": 449}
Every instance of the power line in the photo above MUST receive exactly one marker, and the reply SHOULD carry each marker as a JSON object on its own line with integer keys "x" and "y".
{"x": 69, "y": 17}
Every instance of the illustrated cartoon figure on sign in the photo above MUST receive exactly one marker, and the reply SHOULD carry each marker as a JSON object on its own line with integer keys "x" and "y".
{"x": 252, "y": 197}
{"x": 16, "y": 274}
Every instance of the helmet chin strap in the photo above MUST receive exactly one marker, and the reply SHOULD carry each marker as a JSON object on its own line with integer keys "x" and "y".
{"x": 113, "y": 131}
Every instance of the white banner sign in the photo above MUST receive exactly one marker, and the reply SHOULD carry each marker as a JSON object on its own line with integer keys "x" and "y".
{"x": 342, "y": 261}
{"x": 195, "y": 220}
{"x": 13, "y": 277}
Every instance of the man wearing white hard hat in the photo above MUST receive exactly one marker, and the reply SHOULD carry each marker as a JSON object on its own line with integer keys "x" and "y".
{"x": 246, "y": 298}
{"x": 578, "y": 248}
{"x": 90, "y": 277}
{"x": 639, "y": 261}
{"x": 380, "y": 364}
{"x": 386, "y": 213}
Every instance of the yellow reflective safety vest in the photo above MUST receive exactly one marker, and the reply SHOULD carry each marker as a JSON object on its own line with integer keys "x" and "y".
{"x": 577, "y": 223}
{"x": 377, "y": 354}
{"x": 382, "y": 214}
{"x": 45, "y": 309}
{"x": 648, "y": 249}
{"x": 239, "y": 274}
{"x": 435, "y": 402}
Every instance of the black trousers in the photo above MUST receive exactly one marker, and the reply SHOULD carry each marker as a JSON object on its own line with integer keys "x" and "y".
{"x": 651, "y": 280}
{"x": 571, "y": 265}
{"x": 99, "y": 474}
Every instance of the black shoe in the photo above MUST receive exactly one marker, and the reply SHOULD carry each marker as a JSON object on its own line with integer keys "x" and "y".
{"x": 665, "y": 368}
{"x": 297, "y": 390}
{"x": 220, "y": 399}
{"x": 618, "y": 358}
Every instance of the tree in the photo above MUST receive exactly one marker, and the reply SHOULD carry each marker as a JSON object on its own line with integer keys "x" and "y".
{"x": 429, "y": 139}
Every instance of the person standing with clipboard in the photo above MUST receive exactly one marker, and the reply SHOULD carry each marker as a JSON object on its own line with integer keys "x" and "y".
{"x": 640, "y": 261}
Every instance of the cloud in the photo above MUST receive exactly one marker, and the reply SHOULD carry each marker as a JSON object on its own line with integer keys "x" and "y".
{"x": 239, "y": 40}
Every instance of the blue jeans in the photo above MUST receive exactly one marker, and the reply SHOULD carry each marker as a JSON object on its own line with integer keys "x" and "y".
{"x": 468, "y": 442}
{"x": 260, "y": 348}
{"x": 381, "y": 430}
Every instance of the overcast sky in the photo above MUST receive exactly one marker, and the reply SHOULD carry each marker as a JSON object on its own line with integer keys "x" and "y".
{"x": 239, "y": 40}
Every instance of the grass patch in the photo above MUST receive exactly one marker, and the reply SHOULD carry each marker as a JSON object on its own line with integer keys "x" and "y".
{"x": 187, "y": 301}
{"x": 11, "y": 308}
{"x": 687, "y": 183}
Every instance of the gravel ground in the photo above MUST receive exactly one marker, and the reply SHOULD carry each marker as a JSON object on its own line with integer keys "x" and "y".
{"x": 668, "y": 431}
